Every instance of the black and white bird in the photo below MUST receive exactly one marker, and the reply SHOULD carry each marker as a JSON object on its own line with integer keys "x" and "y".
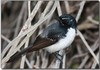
{"x": 55, "y": 37}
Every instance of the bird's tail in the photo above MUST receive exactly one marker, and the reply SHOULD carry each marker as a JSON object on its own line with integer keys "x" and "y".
{"x": 18, "y": 55}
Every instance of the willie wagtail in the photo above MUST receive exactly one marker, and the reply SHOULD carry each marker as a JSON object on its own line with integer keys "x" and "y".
{"x": 55, "y": 37}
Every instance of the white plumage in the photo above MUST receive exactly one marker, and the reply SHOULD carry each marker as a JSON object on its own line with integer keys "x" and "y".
{"x": 62, "y": 43}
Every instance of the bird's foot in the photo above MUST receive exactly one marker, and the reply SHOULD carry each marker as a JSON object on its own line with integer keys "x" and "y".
{"x": 59, "y": 57}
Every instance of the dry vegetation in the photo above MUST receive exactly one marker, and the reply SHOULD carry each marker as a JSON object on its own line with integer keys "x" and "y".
{"x": 22, "y": 22}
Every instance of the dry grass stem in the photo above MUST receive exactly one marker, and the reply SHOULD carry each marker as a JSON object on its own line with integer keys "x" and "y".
{"x": 19, "y": 19}
{"x": 88, "y": 47}
{"x": 95, "y": 63}
{"x": 59, "y": 8}
{"x": 92, "y": 20}
{"x": 26, "y": 44}
{"x": 67, "y": 6}
{"x": 84, "y": 62}
{"x": 80, "y": 10}
{"x": 34, "y": 11}
{"x": 87, "y": 56}
{"x": 6, "y": 39}
{"x": 64, "y": 61}
{"x": 28, "y": 64}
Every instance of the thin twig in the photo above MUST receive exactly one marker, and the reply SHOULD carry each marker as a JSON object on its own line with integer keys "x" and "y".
{"x": 44, "y": 59}
{"x": 80, "y": 10}
{"x": 34, "y": 11}
{"x": 86, "y": 44}
{"x": 76, "y": 56}
{"x": 26, "y": 44}
{"x": 37, "y": 60}
{"x": 9, "y": 45}
{"x": 92, "y": 20}
{"x": 45, "y": 12}
{"x": 5, "y": 59}
{"x": 6, "y": 39}
{"x": 59, "y": 8}
{"x": 19, "y": 19}
{"x": 64, "y": 61}
{"x": 84, "y": 61}
{"x": 67, "y": 6}
{"x": 23, "y": 62}
{"x": 47, "y": 9}
{"x": 52, "y": 65}
{"x": 87, "y": 56}
{"x": 24, "y": 57}
{"x": 29, "y": 8}
{"x": 95, "y": 63}
{"x": 79, "y": 49}
{"x": 27, "y": 62}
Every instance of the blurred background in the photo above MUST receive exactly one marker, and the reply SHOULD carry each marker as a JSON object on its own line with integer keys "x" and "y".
{"x": 14, "y": 15}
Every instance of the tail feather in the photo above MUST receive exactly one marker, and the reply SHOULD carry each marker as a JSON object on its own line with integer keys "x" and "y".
{"x": 18, "y": 55}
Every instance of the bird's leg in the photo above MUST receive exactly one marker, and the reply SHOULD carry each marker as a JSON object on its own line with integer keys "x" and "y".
{"x": 57, "y": 53}
{"x": 59, "y": 57}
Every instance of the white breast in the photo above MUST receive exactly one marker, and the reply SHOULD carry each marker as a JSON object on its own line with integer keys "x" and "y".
{"x": 63, "y": 43}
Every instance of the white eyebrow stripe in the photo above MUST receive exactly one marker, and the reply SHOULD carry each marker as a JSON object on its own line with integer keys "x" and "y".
{"x": 65, "y": 18}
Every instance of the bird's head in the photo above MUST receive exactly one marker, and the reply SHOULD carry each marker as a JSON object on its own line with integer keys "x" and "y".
{"x": 68, "y": 20}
